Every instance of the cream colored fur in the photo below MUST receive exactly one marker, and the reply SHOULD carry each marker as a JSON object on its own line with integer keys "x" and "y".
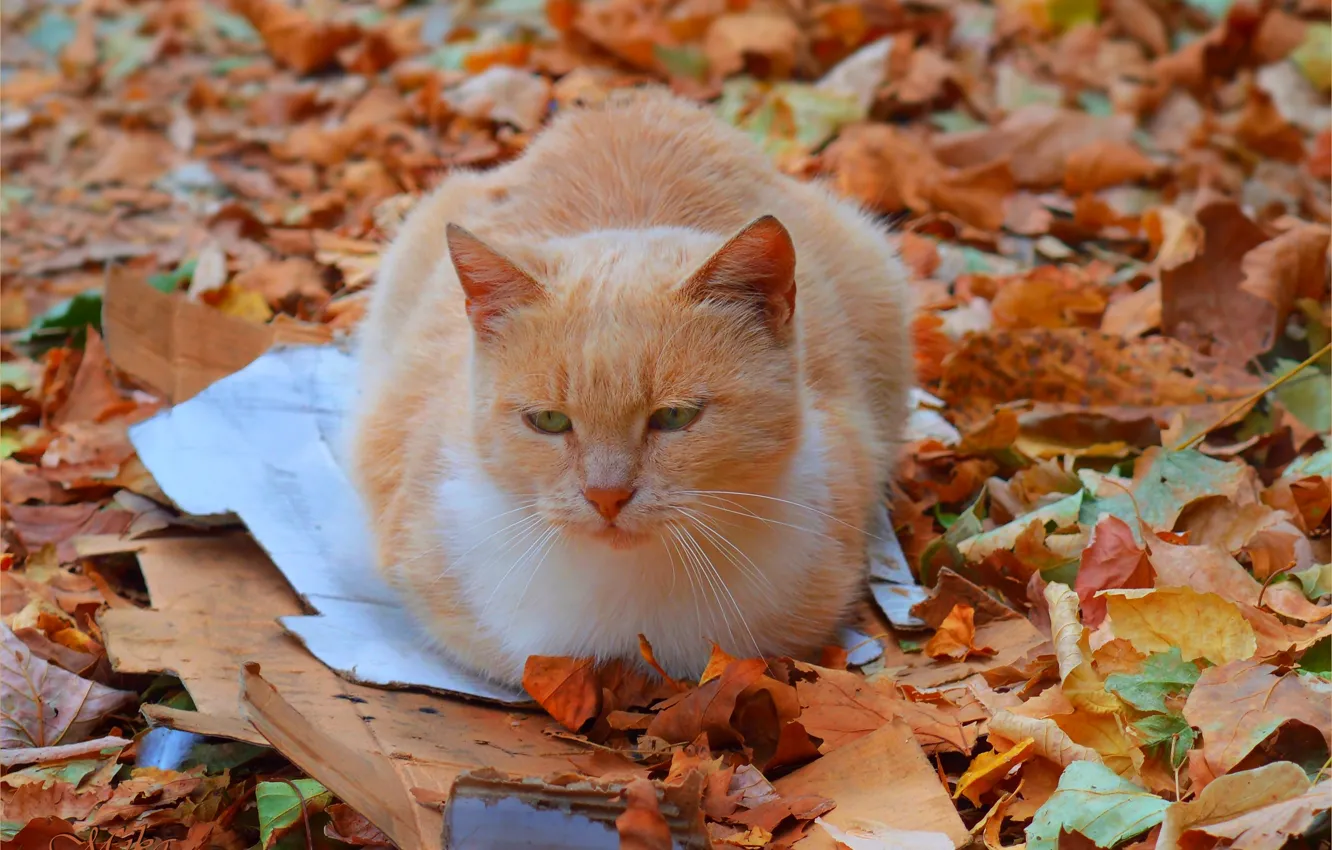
{"x": 480, "y": 521}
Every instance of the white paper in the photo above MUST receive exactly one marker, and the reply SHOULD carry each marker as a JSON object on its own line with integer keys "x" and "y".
{"x": 264, "y": 444}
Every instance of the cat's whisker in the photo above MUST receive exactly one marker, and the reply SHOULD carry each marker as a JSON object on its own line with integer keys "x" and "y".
{"x": 554, "y": 540}
{"x": 677, "y": 548}
{"x": 752, "y": 515}
{"x": 720, "y": 582}
{"x": 800, "y": 505}
{"x": 695, "y": 556}
{"x": 751, "y": 571}
{"x": 526, "y": 523}
{"x": 538, "y": 542}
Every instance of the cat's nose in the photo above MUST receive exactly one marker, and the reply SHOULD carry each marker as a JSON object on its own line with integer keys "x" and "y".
{"x": 608, "y": 500}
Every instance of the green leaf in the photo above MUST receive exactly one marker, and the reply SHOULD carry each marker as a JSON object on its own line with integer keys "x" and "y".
{"x": 1066, "y": 14}
{"x": 955, "y": 121}
{"x": 1319, "y": 463}
{"x": 786, "y": 118}
{"x": 1317, "y": 659}
{"x": 682, "y": 62}
{"x": 1215, "y": 9}
{"x": 73, "y": 314}
{"x": 9, "y": 443}
{"x": 1308, "y": 396}
{"x": 52, "y": 32}
{"x": 280, "y": 806}
{"x": 16, "y": 375}
{"x": 1316, "y": 580}
{"x": 1169, "y": 734}
{"x": 230, "y": 25}
{"x": 1314, "y": 56}
{"x": 1096, "y": 802}
{"x": 169, "y": 282}
{"x": 1063, "y": 513}
{"x": 943, "y": 552}
{"x": 907, "y": 645}
{"x": 1173, "y": 480}
{"x": 1162, "y": 674}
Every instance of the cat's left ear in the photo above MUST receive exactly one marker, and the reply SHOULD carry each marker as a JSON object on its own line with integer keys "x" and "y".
{"x": 493, "y": 284}
{"x": 756, "y": 267}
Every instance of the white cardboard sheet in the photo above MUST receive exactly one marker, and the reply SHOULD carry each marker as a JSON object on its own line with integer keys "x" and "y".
{"x": 264, "y": 444}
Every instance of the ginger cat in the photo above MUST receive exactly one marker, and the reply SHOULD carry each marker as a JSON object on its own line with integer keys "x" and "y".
{"x": 636, "y": 381}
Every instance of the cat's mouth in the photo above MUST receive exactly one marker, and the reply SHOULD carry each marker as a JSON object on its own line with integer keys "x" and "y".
{"x": 619, "y": 538}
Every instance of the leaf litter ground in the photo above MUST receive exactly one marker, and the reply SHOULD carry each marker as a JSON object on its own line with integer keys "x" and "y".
{"x": 1118, "y": 488}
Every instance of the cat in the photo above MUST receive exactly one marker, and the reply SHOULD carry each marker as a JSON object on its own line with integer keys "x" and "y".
{"x": 636, "y": 380}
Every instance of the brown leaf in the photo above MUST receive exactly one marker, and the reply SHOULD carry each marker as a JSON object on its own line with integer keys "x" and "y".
{"x": 709, "y": 707}
{"x": 567, "y": 688}
{"x": 1036, "y": 141}
{"x": 349, "y": 827}
{"x": 93, "y": 394}
{"x": 1239, "y": 704}
{"x": 950, "y": 589}
{"x": 770, "y": 815}
{"x": 1112, "y": 559}
{"x": 1275, "y": 825}
{"x": 1103, "y": 164}
{"x": 44, "y": 705}
{"x": 839, "y": 706}
{"x": 1202, "y": 300}
{"x": 1086, "y": 368}
{"x": 955, "y": 638}
{"x": 295, "y": 39}
{"x": 1048, "y": 297}
{"x": 1262, "y": 128}
{"x": 772, "y": 44}
{"x": 642, "y": 826}
{"x": 133, "y": 159}
{"x": 890, "y": 170}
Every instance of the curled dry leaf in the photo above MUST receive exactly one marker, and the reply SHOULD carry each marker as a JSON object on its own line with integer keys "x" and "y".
{"x": 42, "y": 705}
{"x": 989, "y": 769}
{"x": 708, "y": 708}
{"x": 956, "y": 636}
{"x": 1048, "y": 740}
{"x": 1081, "y": 684}
{"x": 1273, "y": 825}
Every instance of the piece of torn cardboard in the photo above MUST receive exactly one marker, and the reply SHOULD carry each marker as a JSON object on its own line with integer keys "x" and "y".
{"x": 217, "y": 599}
{"x": 178, "y": 346}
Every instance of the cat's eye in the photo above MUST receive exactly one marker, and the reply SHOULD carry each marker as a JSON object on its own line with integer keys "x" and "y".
{"x": 549, "y": 421}
{"x": 673, "y": 418}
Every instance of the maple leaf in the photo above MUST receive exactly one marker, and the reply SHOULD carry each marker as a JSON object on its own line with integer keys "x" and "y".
{"x": 956, "y": 636}
{"x": 42, "y": 705}
{"x": 838, "y": 706}
{"x": 708, "y": 708}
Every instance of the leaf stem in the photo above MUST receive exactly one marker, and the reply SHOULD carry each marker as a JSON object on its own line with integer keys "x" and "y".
{"x": 1201, "y": 435}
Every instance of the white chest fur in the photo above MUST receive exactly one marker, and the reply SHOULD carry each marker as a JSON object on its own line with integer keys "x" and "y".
{"x": 539, "y": 591}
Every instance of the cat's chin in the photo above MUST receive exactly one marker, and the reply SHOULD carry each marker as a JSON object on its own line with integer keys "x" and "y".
{"x": 618, "y": 538}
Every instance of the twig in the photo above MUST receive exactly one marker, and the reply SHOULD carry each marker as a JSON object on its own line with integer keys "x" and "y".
{"x": 305, "y": 815}
{"x": 1201, "y": 435}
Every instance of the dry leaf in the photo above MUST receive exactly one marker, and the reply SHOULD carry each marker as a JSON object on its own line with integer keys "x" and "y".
{"x": 1048, "y": 740}
{"x": 1201, "y": 625}
{"x": 989, "y": 769}
{"x": 642, "y": 827}
{"x": 295, "y": 39}
{"x": 1239, "y": 704}
{"x": 44, "y": 705}
{"x": 1113, "y": 559}
{"x": 1231, "y": 796}
{"x": 567, "y": 688}
{"x": 956, "y": 636}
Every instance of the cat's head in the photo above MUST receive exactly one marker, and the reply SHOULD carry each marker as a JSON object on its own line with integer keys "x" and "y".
{"x": 623, "y": 379}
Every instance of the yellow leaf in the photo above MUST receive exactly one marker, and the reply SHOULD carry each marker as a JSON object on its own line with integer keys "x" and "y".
{"x": 717, "y": 662}
{"x": 1048, "y": 740}
{"x": 242, "y": 303}
{"x": 1105, "y": 734}
{"x": 989, "y": 769}
{"x": 1082, "y": 685}
{"x": 1202, "y": 625}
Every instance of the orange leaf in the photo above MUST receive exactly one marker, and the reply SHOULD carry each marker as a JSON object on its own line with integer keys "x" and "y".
{"x": 295, "y": 39}
{"x": 708, "y": 708}
{"x": 567, "y": 688}
{"x": 956, "y": 636}
{"x": 989, "y": 769}
{"x": 642, "y": 826}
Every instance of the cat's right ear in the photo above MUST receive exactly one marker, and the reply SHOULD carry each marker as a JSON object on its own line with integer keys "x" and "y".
{"x": 492, "y": 283}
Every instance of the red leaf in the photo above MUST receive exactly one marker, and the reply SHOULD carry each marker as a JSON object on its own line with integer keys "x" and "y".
{"x": 1112, "y": 560}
